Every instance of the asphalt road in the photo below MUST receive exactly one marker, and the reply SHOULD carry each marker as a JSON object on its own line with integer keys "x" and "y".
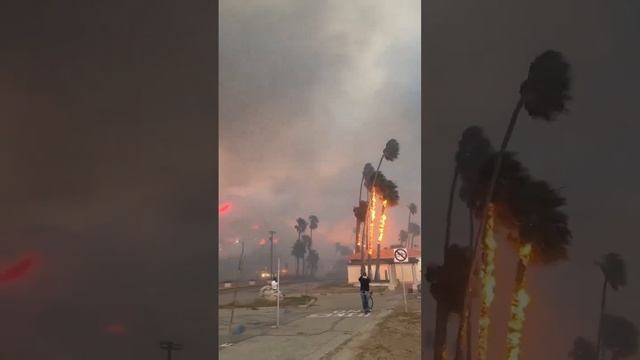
{"x": 311, "y": 333}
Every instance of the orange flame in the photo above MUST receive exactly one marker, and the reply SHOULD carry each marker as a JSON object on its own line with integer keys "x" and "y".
{"x": 383, "y": 219}
{"x": 518, "y": 306}
{"x": 372, "y": 212}
{"x": 488, "y": 284}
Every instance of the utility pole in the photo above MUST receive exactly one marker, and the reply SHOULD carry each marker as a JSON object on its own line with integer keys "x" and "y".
{"x": 271, "y": 233}
{"x": 235, "y": 290}
{"x": 170, "y": 346}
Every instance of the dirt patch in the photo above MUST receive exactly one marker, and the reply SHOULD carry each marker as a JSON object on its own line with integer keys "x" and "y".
{"x": 397, "y": 336}
{"x": 259, "y": 302}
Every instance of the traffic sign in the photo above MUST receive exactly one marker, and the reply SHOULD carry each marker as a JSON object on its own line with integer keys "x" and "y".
{"x": 400, "y": 255}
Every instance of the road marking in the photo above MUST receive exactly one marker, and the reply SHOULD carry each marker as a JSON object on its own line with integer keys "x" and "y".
{"x": 340, "y": 313}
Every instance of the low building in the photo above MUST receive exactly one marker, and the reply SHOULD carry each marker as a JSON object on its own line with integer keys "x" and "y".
{"x": 409, "y": 272}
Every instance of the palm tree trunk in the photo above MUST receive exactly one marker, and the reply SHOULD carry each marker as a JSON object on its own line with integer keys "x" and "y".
{"x": 377, "y": 276}
{"x": 603, "y": 300}
{"x": 489, "y": 198}
{"x": 440, "y": 337}
{"x": 357, "y": 247}
{"x": 468, "y": 324}
{"x": 452, "y": 190}
{"x": 516, "y": 326}
{"x": 297, "y": 266}
{"x": 304, "y": 272}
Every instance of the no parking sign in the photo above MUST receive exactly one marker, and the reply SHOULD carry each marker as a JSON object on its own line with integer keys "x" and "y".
{"x": 400, "y": 255}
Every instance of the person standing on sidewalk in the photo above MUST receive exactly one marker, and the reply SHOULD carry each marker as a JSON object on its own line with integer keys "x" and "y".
{"x": 364, "y": 292}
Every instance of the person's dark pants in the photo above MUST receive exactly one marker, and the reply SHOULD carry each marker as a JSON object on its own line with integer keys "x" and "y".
{"x": 365, "y": 300}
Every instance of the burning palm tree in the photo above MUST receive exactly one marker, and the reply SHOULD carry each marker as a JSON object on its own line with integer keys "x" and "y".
{"x": 473, "y": 151}
{"x": 542, "y": 235}
{"x": 614, "y": 272}
{"x": 544, "y": 94}
{"x": 388, "y": 194}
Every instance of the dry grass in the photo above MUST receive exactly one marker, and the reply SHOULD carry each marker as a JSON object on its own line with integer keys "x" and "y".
{"x": 397, "y": 336}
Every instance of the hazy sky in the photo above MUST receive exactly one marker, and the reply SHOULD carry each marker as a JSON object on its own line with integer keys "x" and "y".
{"x": 108, "y": 176}
{"x": 309, "y": 92}
{"x": 477, "y": 54}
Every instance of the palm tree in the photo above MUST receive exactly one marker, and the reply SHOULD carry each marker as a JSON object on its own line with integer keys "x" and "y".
{"x": 473, "y": 151}
{"x": 403, "y": 237}
{"x": 614, "y": 272}
{"x": 301, "y": 227}
{"x": 541, "y": 234}
{"x": 360, "y": 212}
{"x": 414, "y": 230}
{"x": 306, "y": 241}
{"x": 313, "y": 258}
{"x": 313, "y": 224}
{"x": 413, "y": 209}
{"x": 447, "y": 287}
{"x": 298, "y": 250}
{"x": 544, "y": 94}
{"x": 619, "y": 336}
{"x": 583, "y": 349}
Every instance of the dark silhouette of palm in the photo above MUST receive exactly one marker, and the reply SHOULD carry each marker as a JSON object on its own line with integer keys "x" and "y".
{"x": 473, "y": 151}
{"x": 306, "y": 241}
{"x": 583, "y": 349}
{"x": 544, "y": 94}
{"x": 313, "y": 258}
{"x": 447, "y": 287}
{"x": 414, "y": 230}
{"x": 413, "y": 209}
{"x": 403, "y": 237}
{"x": 614, "y": 273}
{"x": 619, "y": 337}
{"x": 313, "y": 224}
{"x": 360, "y": 211}
{"x": 298, "y": 250}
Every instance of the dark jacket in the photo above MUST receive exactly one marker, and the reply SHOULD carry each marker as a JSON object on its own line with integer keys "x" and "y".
{"x": 364, "y": 283}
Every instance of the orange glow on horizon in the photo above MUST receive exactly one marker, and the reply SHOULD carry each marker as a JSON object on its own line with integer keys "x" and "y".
{"x": 224, "y": 208}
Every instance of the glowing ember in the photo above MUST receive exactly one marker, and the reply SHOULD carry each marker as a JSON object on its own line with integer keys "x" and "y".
{"x": 224, "y": 208}
{"x": 383, "y": 219}
{"x": 488, "y": 284}
{"x": 518, "y": 305}
{"x": 262, "y": 242}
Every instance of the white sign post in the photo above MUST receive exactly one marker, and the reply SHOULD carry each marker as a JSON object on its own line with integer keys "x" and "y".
{"x": 401, "y": 255}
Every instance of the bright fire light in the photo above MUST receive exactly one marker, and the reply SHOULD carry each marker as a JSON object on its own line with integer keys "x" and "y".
{"x": 262, "y": 242}
{"x": 383, "y": 219}
{"x": 372, "y": 211}
{"x": 224, "y": 208}
{"x": 518, "y": 306}
{"x": 488, "y": 284}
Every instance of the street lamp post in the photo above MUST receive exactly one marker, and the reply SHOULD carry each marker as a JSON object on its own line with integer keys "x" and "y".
{"x": 271, "y": 233}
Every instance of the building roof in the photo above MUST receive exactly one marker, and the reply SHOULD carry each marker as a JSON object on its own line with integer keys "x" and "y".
{"x": 386, "y": 253}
